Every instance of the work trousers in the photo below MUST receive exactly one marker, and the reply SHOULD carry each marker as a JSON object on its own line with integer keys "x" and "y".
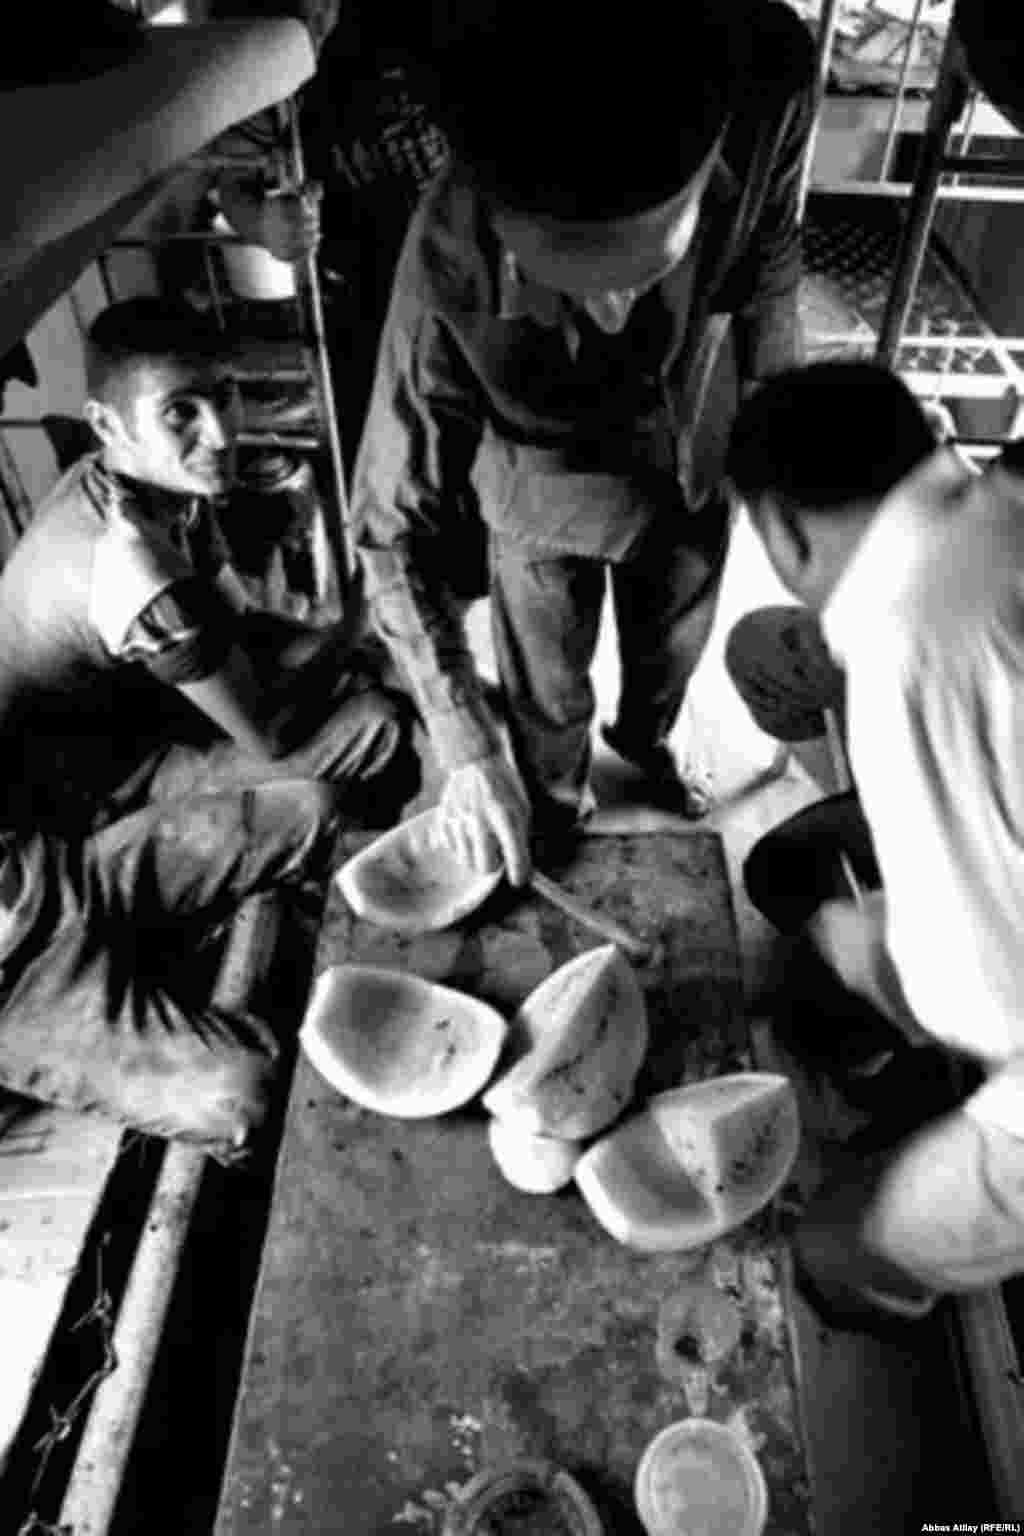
{"x": 102, "y": 1003}
{"x": 346, "y": 729}
{"x": 546, "y": 613}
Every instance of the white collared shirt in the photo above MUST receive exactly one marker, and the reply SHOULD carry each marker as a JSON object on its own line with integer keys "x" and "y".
{"x": 928, "y": 623}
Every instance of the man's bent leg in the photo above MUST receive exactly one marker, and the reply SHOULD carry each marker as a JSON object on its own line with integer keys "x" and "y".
{"x": 363, "y": 746}
{"x": 784, "y": 673}
{"x": 788, "y": 875}
{"x": 89, "y": 1019}
{"x": 798, "y": 865}
{"x": 545, "y": 616}
{"x": 665, "y": 597}
{"x": 942, "y": 1213}
{"x": 197, "y": 859}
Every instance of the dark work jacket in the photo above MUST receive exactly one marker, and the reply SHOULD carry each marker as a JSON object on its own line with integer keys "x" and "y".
{"x": 507, "y": 403}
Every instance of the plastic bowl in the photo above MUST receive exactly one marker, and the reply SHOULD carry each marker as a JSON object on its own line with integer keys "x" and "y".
{"x": 523, "y": 1498}
{"x": 700, "y": 1478}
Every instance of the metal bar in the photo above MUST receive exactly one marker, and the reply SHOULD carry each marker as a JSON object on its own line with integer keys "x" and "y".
{"x": 598, "y": 922}
{"x": 311, "y": 288}
{"x": 962, "y": 341}
{"x": 99, "y": 1468}
{"x": 998, "y": 1393}
{"x": 178, "y": 237}
{"x": 304, "y": 442}
{"x": 823, "y": 58}
{"x": 946, "y": 105}
{"x": 983, "y": 165}
{"x": 837, "y": 752}
{"x": 966, "y": 134}
{"x": 214, "y": 287}
{"x": 901, "y": 93}
{"x": 904, "y": 189}
{"x": 94, "y": 1485}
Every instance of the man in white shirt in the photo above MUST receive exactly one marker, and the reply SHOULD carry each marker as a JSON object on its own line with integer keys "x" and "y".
{"x": 915, "y": 566}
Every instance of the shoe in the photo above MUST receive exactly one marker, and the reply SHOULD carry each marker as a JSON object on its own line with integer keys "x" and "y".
{"x": 666, "y": 788}
{"x": 916, "y": 1085}
{"x": 888, "y": 1318}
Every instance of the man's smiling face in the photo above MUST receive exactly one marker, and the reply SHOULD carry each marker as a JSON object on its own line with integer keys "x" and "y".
{"x": 177, "y": 429}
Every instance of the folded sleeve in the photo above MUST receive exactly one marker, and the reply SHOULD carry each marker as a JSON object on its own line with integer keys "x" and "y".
{"x": 183, "y": 635}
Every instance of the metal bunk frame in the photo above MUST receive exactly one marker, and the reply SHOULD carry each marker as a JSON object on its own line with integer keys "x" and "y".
{"x": 958, "y": 109}
{"x": 306, "y": 356}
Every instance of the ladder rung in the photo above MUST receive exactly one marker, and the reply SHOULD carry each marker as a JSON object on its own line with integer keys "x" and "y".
{"x": 982, "y": 165}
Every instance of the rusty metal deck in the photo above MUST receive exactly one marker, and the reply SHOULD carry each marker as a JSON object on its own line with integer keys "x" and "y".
{"x": 417, "y": 1318}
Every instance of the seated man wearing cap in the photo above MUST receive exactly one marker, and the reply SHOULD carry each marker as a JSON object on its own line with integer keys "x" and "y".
{"x": 162, "y": 749}
{"x": 912, "y": 891}
{"x": 557, "y": 375}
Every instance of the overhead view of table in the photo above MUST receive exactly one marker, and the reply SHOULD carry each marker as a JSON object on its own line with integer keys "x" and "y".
{"x": 418, "y": 1319}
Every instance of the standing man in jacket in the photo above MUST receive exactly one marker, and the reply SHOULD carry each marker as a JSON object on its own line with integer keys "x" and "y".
{"x": 610, "y": 260}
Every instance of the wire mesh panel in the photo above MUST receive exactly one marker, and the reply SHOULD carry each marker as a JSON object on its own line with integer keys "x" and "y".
{"x": 850, "y": 250}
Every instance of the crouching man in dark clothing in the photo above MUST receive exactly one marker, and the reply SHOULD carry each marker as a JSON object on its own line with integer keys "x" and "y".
{"x": 163, "y": 745}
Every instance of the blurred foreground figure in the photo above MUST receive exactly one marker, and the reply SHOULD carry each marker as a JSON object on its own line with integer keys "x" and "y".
{"x": 911, "y": 890}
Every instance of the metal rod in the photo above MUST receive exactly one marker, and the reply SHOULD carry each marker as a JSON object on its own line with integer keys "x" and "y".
{"x": 823, "y": 59}
{"x": 946, "y": 105}
{"x": 106, "y": 1444}
{"x": 606, "y": 927}
{"x": 901, "y": 93}
{"x": 214, "y": 287}
{"x": 837, "y": 752}
{"x": 178, "y": 237}
{"x": 904, "y": 189}
{"x": 983, "y": 165}
{"x": 325, "y": 383}
{"x": 966, "y": 134}
{"x": 995, "y": 1372}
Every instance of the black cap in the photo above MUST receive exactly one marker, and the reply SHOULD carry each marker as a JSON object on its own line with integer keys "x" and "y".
{"x": 589, "y": 113}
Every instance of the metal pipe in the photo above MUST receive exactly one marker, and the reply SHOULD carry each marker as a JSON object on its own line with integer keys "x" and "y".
{"x": 823, "y": 58}
{"x": 983, "y": 165}
{"x": 904, "y": 189}
{"x": 98, "y": 1472}
{"x": 325, "y": 383}
{"x": 901, "y": 93}
{"x": 947, "y": 103}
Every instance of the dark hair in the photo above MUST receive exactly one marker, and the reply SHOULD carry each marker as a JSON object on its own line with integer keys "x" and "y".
{"x": 558, "y": 112}
{"x": 123, "y": 338}
{"x": 827, "y": 435}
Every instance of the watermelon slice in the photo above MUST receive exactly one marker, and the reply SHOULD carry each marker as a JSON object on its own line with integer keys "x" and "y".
{"x": 539, "y": 1165}
{"x": 581, "y": 1037}
{"x": 695, "y": 1163}
{"x": 409, "y": 880}
{"x": 397, "y": 1044}
{"x": 734, "y": 1136}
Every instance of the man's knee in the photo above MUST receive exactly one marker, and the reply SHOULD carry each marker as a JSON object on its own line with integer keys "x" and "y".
{"x": 385, "y": 764}
{"x": 774, "y": 885}
{"x": 781, "y": 671}
{"x": 220, "y": 1107}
